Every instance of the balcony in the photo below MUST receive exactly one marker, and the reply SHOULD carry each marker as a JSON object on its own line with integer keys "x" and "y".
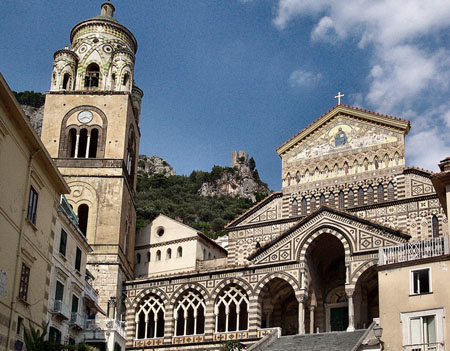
{"x": 59, "y": 309}
{"x": 415, "y": 250}
{"x": 437, "y": 346}
{"x": 101, "y": 325}
{"x": 77, "y": 320}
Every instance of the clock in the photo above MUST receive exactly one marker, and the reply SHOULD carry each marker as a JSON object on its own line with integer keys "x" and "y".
{"x": 85, "y": 116}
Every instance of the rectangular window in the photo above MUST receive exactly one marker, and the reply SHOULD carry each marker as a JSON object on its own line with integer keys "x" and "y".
{"x": 63, "y": 243}
{"x": 420, "y": 281}
{"x": 54, "y": 335}
{"x": 59, "y": 292}
{"x": 78, "y": 260}
{"x": 423, "y": 330}
{"x": 32, "y": 205}
{"x": 74, "y": 304}
{"x": 19, "y": 326}
{"x": 24, "y": 280}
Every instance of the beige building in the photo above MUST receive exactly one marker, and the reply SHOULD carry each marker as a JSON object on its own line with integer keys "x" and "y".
{"x": 91, "y": 130}
{"x": 73, "y": 302}
{"x": 30, "y": 189}
{"x": 304, "y": 259}
{"x": 167, "y": 246}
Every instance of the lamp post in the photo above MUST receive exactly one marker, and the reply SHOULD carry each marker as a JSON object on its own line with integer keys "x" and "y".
{"x": 378, "y": 331}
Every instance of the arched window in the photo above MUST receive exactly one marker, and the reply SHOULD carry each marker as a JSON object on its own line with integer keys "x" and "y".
{"x": 380, "y": 193}
{"x": 169, "y": 254}
{"x": 209, "y": 256}
{"x": 204, "y": 254}
{"x": 360, "y": 196}
{"x": 370, "y": 195}
{"x": 322, "y": 199}
{"x": 66, "y": 80}
{"x": 313, "y": 203}
{"x": 435, "y": 226}
{"x": 148, "y": 256}
{"x": 158, "y": 255}
{"x": 82, "y": 143}
{"x": 150, "y": 318}
{"x": 351, "y": 198}
{"x": 297, "y": 177}
{"x": 131, "y": 154}
{"x": 93, "y": 143}
{"x": 355, "y": 167}
{"x": 294, "y": 208}
{"x": 375, "y": 162}
{"x": 83, "y": 214}
{"x": 288, "y": 177}
{"x": 138, "y": 258}
{"x": 366, "y": 164}
{"x": 231, "y": 309}
{"x": 304, "y": 206}
{"x": 331, "y": 201}
{"x": 189, "y": 314}
{"x": 72, "y": 142}
{"x": 113, "y": 81}
{"x": 345, "y": 168}
{"x": 126, "y": 78}
{"x": 341, "y": 200}
{"x": 397, "y": 158}
{"x": 92, "y": 77}
{"x": 180, "y": 251}
{"x": 390, "y": 191}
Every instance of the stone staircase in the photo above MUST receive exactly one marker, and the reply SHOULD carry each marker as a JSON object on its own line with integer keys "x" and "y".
{"x": 334, "y": 341}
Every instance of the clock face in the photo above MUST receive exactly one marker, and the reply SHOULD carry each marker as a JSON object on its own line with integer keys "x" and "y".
{"x": 85, "y": 116}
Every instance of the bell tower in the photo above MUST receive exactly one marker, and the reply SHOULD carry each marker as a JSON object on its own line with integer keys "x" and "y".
{"x": 91, "y": 129}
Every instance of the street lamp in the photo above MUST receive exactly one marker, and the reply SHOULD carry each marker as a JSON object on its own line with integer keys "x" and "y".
{"x": 378, "y": 331}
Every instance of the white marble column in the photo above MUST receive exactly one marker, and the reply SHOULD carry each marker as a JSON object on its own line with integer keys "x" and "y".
{"x": 311, "y": 319}
{"x": 301, "y": 318}
{"x": 351, "y": 313}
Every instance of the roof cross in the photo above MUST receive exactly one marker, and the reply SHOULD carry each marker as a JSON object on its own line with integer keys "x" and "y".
{"x": 338, "y": 96}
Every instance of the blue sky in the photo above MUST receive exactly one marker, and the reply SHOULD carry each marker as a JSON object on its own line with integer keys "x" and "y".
{"x": 249, "y": 74}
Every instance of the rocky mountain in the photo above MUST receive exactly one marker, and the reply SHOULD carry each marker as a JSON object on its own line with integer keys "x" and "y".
{"x": 241, "y": 180}
{"x": 154, "y": 165}
{"x": 35, "y": 115}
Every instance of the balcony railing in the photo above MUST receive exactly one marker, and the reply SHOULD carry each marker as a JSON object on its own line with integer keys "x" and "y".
{"x": 437, "y": 346}
{"x": 415, "y": 250}
{"x": 107, "y": 324}
{"x": 59, "y": 308}
{"x": 77, "y": 320}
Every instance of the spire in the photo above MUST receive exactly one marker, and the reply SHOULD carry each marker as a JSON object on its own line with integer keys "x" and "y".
{"x": 108, "y": 9}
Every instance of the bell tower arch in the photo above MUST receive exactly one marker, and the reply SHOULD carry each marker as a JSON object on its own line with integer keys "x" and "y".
{"x": 91, "y": 129}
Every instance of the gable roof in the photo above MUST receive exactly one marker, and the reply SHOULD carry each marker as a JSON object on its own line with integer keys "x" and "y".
{"x": 253, "y": 209}
{"x": 333, "y": 210}
{"x": 392, "y": 121}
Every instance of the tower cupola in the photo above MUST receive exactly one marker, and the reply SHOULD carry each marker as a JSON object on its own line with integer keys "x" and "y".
{"x": 108, "y": 9}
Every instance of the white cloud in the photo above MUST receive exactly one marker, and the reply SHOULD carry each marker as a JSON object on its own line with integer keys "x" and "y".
{"x": 301, "y": 78}
{"x": 410, "y": 63}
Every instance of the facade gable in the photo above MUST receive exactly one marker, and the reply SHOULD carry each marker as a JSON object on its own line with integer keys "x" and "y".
{"x": 358, "y": 236}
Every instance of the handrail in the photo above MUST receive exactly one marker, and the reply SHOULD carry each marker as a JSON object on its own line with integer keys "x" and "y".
{"x": 414, "y": 250}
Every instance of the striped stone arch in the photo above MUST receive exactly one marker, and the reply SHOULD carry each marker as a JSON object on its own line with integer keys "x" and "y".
{"x": 361, "y": 269}
{"x": 194, "y": 286}
{"x": 224, "y": 283}
{"x": 327, "y": 229}
{"x": 156, "y": 291}
{"x": 285, "y": 276}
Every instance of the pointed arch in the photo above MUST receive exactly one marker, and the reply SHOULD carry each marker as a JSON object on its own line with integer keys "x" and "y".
{"x": 294, "y": 207}
{"x": 341, "y": 200}
{"x": 331, "y": 200}
{"x": 380, "y": 193}
{"x": 351, "y": 198}
{"x": 312, "y": 203}
{"x": 322, "y": 199}
{"x": 360, "y": 196}
{"x": 304, "y": 206}
{"x": 370, "y": 195}
{"x": 390, "y": 192}
{"x": 434, "y": 226}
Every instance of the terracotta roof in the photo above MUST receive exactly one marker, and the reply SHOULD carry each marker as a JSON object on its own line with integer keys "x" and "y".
{"x": 332, "y": 210}
{"x": 347, "y": 106}
{"x": 254, "y": 208}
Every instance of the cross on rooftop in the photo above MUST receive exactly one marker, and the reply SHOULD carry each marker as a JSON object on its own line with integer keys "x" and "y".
{"x": 338, "y": 96}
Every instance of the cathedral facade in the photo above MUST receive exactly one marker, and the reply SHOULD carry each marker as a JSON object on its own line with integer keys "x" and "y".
{"x": 305, "y": 258}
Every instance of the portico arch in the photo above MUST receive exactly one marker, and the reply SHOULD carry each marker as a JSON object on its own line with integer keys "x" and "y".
{"x": 278, "y": 304}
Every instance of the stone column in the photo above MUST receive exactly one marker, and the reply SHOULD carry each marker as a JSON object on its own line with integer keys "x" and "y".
{"x": 301, "y": 317}
{"x": 351, "y": 312}
{"x": 311, "y": 319}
